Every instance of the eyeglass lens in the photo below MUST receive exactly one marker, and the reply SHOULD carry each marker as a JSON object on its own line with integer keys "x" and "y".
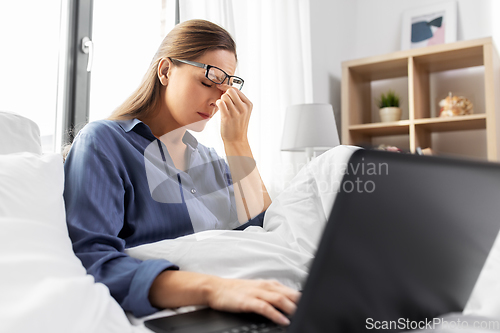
{"x": 218, "y": 76}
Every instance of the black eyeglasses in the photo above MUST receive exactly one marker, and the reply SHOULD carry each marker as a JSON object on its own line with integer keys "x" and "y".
{"x": 215, "y": 74}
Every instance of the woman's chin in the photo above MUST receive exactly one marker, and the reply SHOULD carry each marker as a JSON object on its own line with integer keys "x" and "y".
{"x": 197, "y": 126}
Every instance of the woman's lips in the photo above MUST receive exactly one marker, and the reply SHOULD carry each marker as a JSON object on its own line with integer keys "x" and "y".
{"x": 204, "y": 115}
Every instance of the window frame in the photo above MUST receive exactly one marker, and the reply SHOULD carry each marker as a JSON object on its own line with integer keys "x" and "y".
{"x": 74, "y": 79}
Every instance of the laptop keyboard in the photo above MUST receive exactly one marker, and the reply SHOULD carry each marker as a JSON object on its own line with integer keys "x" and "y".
{"x": 256, "y": 328}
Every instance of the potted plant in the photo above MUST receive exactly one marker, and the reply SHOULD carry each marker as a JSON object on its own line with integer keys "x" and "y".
{"x": 389, "y": 107}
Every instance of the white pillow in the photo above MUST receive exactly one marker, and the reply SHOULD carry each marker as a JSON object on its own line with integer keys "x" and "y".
{"x": 43, "y": 285}
{"x": 18, "y": 134}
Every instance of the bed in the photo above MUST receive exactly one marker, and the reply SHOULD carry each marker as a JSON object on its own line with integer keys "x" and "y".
{"x": 45, "y": 288}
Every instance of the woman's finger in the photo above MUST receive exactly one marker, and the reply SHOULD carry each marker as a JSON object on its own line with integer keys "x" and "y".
{"x": 292, "y": 294}
{"x": 235, "y": 104}
{"x": 235, "y": 97}
{"x": 241, "y": 95}
{"x": 265, "y": 309}
{"x": 239, "y": 98}
{"x": 273, "y": 285}
{"x": 222, "y": 107}
{"x": 279, "y": 301}
{"x": 233, "y": 110}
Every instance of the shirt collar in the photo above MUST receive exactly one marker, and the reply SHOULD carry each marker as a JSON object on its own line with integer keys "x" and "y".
{"x": 129, "y": 124}
{"x": 189, "y": 139}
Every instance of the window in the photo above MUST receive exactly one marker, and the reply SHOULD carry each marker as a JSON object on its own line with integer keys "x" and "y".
{"x": 126, "y": 35}
{"x": 29, "y": 31}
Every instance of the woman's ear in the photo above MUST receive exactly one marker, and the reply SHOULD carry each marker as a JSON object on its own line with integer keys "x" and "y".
{"x": 163, "y": 70}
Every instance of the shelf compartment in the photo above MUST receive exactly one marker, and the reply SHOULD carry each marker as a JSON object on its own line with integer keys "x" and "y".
{"x": 458, "y": 123}
{"x": 471, "y": 55}
{"x": 449, "y": 60}
{"x": 382, "y": 69}
{"x": 381, "y": 129}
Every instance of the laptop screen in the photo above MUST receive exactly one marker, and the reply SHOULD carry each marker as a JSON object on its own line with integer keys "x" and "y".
{"x": 406, "y": 240}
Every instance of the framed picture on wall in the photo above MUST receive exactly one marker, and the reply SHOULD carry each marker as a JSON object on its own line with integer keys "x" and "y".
{"x": 429, "y": 25}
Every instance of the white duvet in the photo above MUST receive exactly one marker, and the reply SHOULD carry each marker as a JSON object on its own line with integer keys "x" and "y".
{"x": 283, "y": 249}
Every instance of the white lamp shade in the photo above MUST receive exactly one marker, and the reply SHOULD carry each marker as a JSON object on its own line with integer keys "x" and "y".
{"x": 309, "y": 126}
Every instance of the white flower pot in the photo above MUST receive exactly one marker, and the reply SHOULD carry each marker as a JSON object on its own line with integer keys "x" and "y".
{"x": 390, "y": 114}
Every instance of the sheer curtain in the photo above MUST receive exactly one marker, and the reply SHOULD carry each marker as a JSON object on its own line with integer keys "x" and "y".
{"x": 274, "y": 58}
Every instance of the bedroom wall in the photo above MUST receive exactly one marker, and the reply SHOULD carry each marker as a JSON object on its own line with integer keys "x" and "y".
{"x": 377, "y": 35}
{"x": 333, "y": 38}
{"x": 350, "y": 29}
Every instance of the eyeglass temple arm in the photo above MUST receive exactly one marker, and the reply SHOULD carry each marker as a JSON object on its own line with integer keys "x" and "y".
{"x": 193, "y": 63}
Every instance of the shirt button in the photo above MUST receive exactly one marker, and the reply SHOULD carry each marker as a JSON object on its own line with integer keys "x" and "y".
{"x": 193, "y": 190}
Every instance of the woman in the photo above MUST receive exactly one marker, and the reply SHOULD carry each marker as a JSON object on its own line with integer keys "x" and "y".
{"x": 111, "y": 204}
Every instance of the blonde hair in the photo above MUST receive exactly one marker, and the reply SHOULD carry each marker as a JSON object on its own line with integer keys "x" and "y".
{"x": 187, "y": 41}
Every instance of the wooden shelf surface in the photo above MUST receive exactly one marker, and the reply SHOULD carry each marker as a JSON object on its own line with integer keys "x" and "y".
{"x": 382, "y": 129}
{"x": 458, "y": 123}
{"x": 445, "y": 124}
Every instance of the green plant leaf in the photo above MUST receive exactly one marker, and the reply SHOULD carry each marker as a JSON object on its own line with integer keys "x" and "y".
{"x": 390, "y": 99}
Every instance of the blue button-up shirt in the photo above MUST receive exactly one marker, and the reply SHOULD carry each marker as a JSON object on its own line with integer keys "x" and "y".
{"x": 123, "y": 190}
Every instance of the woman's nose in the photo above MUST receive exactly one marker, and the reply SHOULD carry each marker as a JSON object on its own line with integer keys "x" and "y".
{"x": 219, "y": 91}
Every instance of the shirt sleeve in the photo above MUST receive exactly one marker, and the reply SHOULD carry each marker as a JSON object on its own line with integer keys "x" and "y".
{"x": 94, "y": 197}
{"x": 257, "y": 221}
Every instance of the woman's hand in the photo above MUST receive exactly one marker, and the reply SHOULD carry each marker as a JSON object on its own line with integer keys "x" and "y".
{"x": 259, "y": 296}
{"x": 235, "y": 110}
{"x": 173, "y": 289}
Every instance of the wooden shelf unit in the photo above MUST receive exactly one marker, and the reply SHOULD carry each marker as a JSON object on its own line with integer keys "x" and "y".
{"x": 417, "y": 65}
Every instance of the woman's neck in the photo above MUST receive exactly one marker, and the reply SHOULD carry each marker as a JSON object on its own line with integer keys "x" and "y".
{"x": 173, "y": 138}
{"x": 162, "y": 128}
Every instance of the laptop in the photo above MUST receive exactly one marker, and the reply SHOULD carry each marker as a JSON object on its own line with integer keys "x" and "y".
{"x": 405, "y": 242}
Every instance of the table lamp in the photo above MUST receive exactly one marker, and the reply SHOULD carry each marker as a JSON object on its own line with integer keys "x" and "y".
{"x": 309, "y": 128}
